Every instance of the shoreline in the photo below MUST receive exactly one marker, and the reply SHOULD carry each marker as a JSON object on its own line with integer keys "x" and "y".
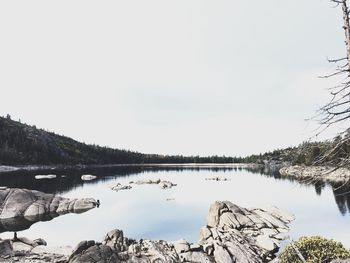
{"x": 231, "y": 234}
{"x": 327, "y": 174}
{"x": 24, "y": 168}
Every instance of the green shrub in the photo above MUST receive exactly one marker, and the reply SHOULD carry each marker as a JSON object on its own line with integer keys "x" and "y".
{"x": 314, "y": 249}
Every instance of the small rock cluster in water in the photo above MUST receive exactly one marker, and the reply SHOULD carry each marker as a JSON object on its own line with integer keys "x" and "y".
{"x": 162, "y": 184}
{"x": 217, "y": 178}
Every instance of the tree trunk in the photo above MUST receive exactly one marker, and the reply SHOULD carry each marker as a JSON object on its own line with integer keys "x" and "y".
{"x": 347, "y": 31}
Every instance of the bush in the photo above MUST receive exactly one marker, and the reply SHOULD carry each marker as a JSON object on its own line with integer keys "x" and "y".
{"x": 314, "y": 249}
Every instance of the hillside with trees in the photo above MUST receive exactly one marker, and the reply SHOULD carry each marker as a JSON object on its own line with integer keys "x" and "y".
{"x": 329, "y": 152}
{"x": 22, "y": 144}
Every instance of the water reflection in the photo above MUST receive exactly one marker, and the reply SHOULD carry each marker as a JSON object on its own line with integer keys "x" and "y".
{"x": 341, "y": 192}
{"x": 319, "y": 186}
{"x": 144, "y": 212}
{"x": 20, "y": 209}
{"x": 342, "y": 197}
{"x": 22, "y": 223}
{"x": 70, "y": 179}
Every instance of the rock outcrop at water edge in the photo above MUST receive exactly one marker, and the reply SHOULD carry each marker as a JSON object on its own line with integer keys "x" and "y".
{"x": 232, "y": 234}
{"x": 317, "y": 173}
{"x": 19, "y": 208}
{"x": 24, "y": 250}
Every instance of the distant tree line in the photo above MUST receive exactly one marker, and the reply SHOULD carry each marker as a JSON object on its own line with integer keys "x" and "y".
{"x": 329, "y": 152}
{"x": 22, "y": 144}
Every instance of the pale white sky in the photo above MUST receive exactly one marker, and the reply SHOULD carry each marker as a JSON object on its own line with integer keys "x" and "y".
{"x": 230, "y": 77}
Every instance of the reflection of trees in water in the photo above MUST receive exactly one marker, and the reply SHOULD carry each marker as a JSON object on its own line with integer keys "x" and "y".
{"x": 341, "y": 192}
{"x": 268, "y": 171}
{"x": 65, "y": 181}
{"x": 72, "y": 179}
{"x": 68, "y": 179}
{"x": 342, "y": 197}
{"x": 319, "y": 186}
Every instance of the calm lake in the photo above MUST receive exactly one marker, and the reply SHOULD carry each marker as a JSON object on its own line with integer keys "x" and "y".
{"x": 147, "y": 211}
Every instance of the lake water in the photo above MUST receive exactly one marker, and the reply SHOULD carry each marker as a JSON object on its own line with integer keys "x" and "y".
{"x": 147, "y": 211}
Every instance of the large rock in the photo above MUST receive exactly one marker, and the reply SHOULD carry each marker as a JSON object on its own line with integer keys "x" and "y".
{"x": 20, "y": 208}
{"x": 232, "y": 234}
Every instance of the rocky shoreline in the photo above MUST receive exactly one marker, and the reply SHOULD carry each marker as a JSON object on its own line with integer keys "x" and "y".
{"x": 19, "y": 209}
{"x": 317, "y": 173}
{"x": 23, "y": 204}
{"x": 232, "y": 234}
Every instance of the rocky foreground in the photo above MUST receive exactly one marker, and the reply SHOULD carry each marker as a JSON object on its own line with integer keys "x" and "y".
{"x": 232, "y": 234}
{"x": 20, "y": 208}
{"x": 317, "y": 173}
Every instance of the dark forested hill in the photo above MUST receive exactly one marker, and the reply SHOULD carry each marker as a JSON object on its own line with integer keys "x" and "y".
{"x": 22, "y": 144}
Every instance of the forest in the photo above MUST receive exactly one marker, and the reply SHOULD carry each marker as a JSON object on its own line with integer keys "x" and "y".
{"x": 22, "y": 144}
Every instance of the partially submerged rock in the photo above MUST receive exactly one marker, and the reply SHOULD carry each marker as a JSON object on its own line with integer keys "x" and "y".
{"x": 119, "y": 187}
{"x": 88, "y": 177}
{"x": 217, "y": 178}
{"x": 166, "y": 184}
{"x": 146, "y": 181}
{"x": 46, "y": 176}
{"x": 20, "y": 208}
{"x": 162, "y": 184}
{"x": 232, "y": 234}
{"x": 317, "y": 173}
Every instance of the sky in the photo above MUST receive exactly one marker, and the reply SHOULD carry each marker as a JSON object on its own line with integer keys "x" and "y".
{"x": 192, "y": 77}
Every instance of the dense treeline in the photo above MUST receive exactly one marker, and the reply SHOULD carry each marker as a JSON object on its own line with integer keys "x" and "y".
{"x": 330, "y": 152}
{"x": 22, "y": 144}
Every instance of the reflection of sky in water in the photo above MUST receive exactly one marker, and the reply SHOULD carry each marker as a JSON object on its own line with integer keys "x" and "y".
{"x": 144, "y": 212}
